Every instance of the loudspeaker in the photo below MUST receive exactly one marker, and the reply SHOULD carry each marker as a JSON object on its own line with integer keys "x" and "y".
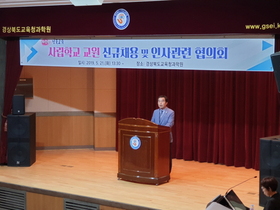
{"x": 275, "y": 59}
{"x": 21, "y": 139}
{"x": 269, "y": 162}
{"x": 18, "y": 105}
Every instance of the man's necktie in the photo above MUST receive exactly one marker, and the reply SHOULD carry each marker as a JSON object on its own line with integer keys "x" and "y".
{"x": 160, "y": 115}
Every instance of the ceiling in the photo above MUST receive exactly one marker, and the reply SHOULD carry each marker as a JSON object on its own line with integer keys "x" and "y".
{"x": 32, "y": 3}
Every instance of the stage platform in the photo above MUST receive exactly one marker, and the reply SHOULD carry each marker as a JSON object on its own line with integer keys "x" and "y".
{"x": 91, "y": 176}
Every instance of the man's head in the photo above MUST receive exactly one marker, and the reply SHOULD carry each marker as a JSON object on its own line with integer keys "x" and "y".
{"x": 269, "y": 186}
{"x": 162, "y": 101}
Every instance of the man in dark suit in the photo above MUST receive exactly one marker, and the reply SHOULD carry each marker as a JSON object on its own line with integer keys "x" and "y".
{"x": 164, "y": 116}
{"x": 269, "y": 187}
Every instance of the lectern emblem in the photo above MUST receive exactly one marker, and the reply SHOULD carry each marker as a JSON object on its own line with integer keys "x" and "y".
{"x": 135, "y": 142}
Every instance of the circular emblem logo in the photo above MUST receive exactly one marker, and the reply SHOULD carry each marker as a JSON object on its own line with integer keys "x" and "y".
{"x": 45, "y": 42}
{"x": 135, "y": 142}
{"x": 121, "y": 19}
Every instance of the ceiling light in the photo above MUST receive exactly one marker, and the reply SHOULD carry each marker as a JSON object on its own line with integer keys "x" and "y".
{"x": 86, "y": 2}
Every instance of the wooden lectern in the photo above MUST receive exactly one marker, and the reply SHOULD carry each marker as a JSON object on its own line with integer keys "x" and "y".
{"x": 144, "y": 151}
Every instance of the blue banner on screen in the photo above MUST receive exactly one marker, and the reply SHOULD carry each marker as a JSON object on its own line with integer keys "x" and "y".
{"x": 185, "y": 54}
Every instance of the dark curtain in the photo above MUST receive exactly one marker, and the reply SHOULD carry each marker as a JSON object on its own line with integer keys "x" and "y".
{"x": 13, "y": 71}
{"x": 219, "y": 115}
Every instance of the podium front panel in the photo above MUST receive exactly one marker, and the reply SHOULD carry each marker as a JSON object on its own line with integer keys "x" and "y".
{"x": 137, "y": 161}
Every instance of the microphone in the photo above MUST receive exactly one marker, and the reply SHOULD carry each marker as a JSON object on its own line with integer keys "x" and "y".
{"x": 240, "y": 183}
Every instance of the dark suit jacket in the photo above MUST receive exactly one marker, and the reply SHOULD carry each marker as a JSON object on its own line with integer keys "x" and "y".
{"x": 273, "y": 203}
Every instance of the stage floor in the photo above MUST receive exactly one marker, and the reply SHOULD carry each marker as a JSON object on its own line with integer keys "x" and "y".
{"x": 93, "y": 174}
